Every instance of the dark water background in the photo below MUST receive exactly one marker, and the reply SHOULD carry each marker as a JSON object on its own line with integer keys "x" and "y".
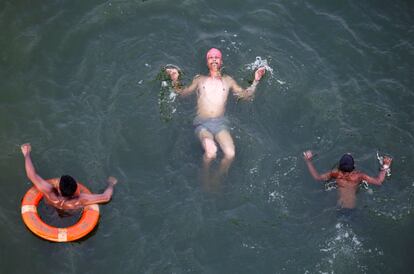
{"x": 78, "y": 81}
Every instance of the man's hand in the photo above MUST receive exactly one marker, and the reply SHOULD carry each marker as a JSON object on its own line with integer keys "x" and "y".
{"x": 307, "y": 155}
{"x": 173, "y": 73}
{"x": 386, "y": 162}
{"x": 259, "y": 73}
{"x": 26, "y": 149}
{"x": 112, "y": 180}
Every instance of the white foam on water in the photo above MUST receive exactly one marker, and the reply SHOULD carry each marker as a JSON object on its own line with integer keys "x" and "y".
{"x": 166, "y": 101}
{"x": 172, "y": 96}
{"x": 258, "y": 63}
{"x": 251, "y": 245}
{"x": 261, "y": 62}
{"x": 254, "y": 170}
{"x": 396, "y": 206}
{"x": 381, "y": 162}
{"x": 329, "y": 186}
{"x": 285, "y": 166}
{"x": 230, "y": 43}
{"x": 275, "y": 196}
{"x": 344, "y": 252}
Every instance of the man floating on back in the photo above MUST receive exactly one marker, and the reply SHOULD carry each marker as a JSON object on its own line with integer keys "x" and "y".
{"x": 210, "y": 124}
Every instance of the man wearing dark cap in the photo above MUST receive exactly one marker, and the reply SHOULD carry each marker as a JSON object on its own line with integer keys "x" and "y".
{"x": 64, "y": 193}
{"x": 347, "y": 178}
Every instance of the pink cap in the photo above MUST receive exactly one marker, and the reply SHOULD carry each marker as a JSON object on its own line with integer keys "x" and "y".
{"x": 213, "y": 52}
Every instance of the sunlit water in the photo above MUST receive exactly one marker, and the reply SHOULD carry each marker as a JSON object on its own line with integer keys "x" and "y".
{"x": 80, "y": 81}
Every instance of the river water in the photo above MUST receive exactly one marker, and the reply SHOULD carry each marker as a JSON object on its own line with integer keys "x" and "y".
{"x": 78, "y": 80}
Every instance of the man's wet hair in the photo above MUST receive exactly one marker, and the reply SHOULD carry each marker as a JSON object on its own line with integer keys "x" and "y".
{"x": 67, "y": 186}
{"x": 346, "y": 164}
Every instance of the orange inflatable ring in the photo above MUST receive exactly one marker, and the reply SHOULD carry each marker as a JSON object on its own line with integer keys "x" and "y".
{"x": 87, "y": 222}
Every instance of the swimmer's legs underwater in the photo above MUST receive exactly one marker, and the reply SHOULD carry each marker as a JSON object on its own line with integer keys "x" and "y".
{"x": 345, "y": 215}
{"x": 225, "y": 141}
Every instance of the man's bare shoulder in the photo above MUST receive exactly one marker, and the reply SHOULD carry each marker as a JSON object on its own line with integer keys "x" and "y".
{"x": 358, "y": 175}
{"x": 227, "y": 77}
{"x": 199, "y": 77}
{"x": 54, "y": 182}
{"x": 230, "y": 82}
{"x": 354, "y": 177}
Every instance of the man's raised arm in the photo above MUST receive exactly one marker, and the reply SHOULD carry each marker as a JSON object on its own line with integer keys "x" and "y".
{"x": 38, "y": 181}
{"x": 249, "y": 91}
{"x": 88, "y": 199}
{"x": 381, "y": 176}
{"x": 174, "y": 76}
{"x": 307, "y": 155}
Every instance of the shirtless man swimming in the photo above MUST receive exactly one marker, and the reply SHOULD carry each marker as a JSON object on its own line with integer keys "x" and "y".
{"x": 212, "y": 93}
{"x": 64, "y": 194}
{"x": 347, "y": 178}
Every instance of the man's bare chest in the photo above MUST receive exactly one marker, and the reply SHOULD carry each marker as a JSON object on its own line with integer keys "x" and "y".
{"x": 213, "y": 89}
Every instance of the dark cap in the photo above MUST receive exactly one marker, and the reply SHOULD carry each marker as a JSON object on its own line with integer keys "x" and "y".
{"x": 67, "y": 186}
{"x": 346, "y": 164}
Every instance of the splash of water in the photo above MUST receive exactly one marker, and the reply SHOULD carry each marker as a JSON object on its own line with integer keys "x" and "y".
{"x": 166, "y": 100}
{"x": 258, "y": 63}
{"x": 381, "y": 162}
{"x": 331, "y": 185}
{"x": 167, "y": 96}
{"x": 345, "y": 251}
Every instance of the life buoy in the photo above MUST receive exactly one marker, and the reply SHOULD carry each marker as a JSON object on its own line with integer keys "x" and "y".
{"x": 87, "y": 222}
